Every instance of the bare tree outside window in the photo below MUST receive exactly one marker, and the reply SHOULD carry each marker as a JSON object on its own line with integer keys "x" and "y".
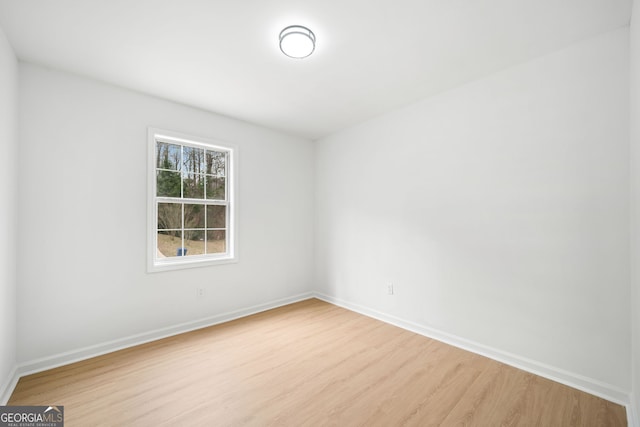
{"x": 191, "y": 200}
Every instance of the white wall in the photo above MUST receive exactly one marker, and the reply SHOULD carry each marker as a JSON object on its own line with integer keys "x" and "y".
{"x": 8, "y": 209}
{"x": 635, "y": 202}
{"x": 499, "y": 210}
{"x": 82, "y": 255}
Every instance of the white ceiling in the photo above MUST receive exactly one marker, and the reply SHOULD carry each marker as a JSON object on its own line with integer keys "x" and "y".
{"x": 371, "y": 56}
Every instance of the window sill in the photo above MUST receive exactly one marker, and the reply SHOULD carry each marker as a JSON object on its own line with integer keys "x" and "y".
{"x": 156, "y": 267}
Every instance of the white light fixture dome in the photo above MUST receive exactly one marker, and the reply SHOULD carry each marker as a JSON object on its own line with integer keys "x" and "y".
{"x": 297, "y": 41}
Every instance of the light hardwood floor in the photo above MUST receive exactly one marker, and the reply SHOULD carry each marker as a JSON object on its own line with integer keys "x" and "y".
{"x": 307, "y": 364}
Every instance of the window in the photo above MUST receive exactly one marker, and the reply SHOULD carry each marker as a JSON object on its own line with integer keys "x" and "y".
{"x": 191, "y": 201}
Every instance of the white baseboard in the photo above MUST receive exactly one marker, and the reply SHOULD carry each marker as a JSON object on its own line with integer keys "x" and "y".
{"x": 588, "y": 385}
{"x": 50, "y": 362}
{"x": 7, "y": 387}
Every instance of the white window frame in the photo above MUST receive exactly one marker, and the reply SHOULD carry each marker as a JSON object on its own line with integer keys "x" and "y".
{"x": 155, "y": 263}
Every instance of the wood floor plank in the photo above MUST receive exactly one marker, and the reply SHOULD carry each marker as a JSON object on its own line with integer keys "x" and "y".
{"x": 307, "y": 364}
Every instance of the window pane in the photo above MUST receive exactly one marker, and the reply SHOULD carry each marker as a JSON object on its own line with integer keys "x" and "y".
{"x": 194, "y": 242}
{"x": 194, "y": 216}
{"x": 216, "y": 163}
{"x": 168, "y": 243}
{"x": 167, "y": 156}
{"x": 216, "y": 188}
{"x": 216, "y": 216}
{"x": 193, "y": 186}
{"x": 193, "y": 160}
{"x": 169, "y": 216}
{"x": 192, "y": 201}
{"x": 168, "y": 184}
{"x": 216, "y": 241}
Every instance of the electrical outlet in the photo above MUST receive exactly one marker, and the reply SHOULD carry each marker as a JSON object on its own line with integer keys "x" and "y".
{"x": 200, "y": 293}
{"x": 390, "y": 289}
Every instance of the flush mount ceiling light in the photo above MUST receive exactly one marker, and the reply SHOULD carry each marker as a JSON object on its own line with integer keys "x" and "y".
{"x": 297, "y": 41}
